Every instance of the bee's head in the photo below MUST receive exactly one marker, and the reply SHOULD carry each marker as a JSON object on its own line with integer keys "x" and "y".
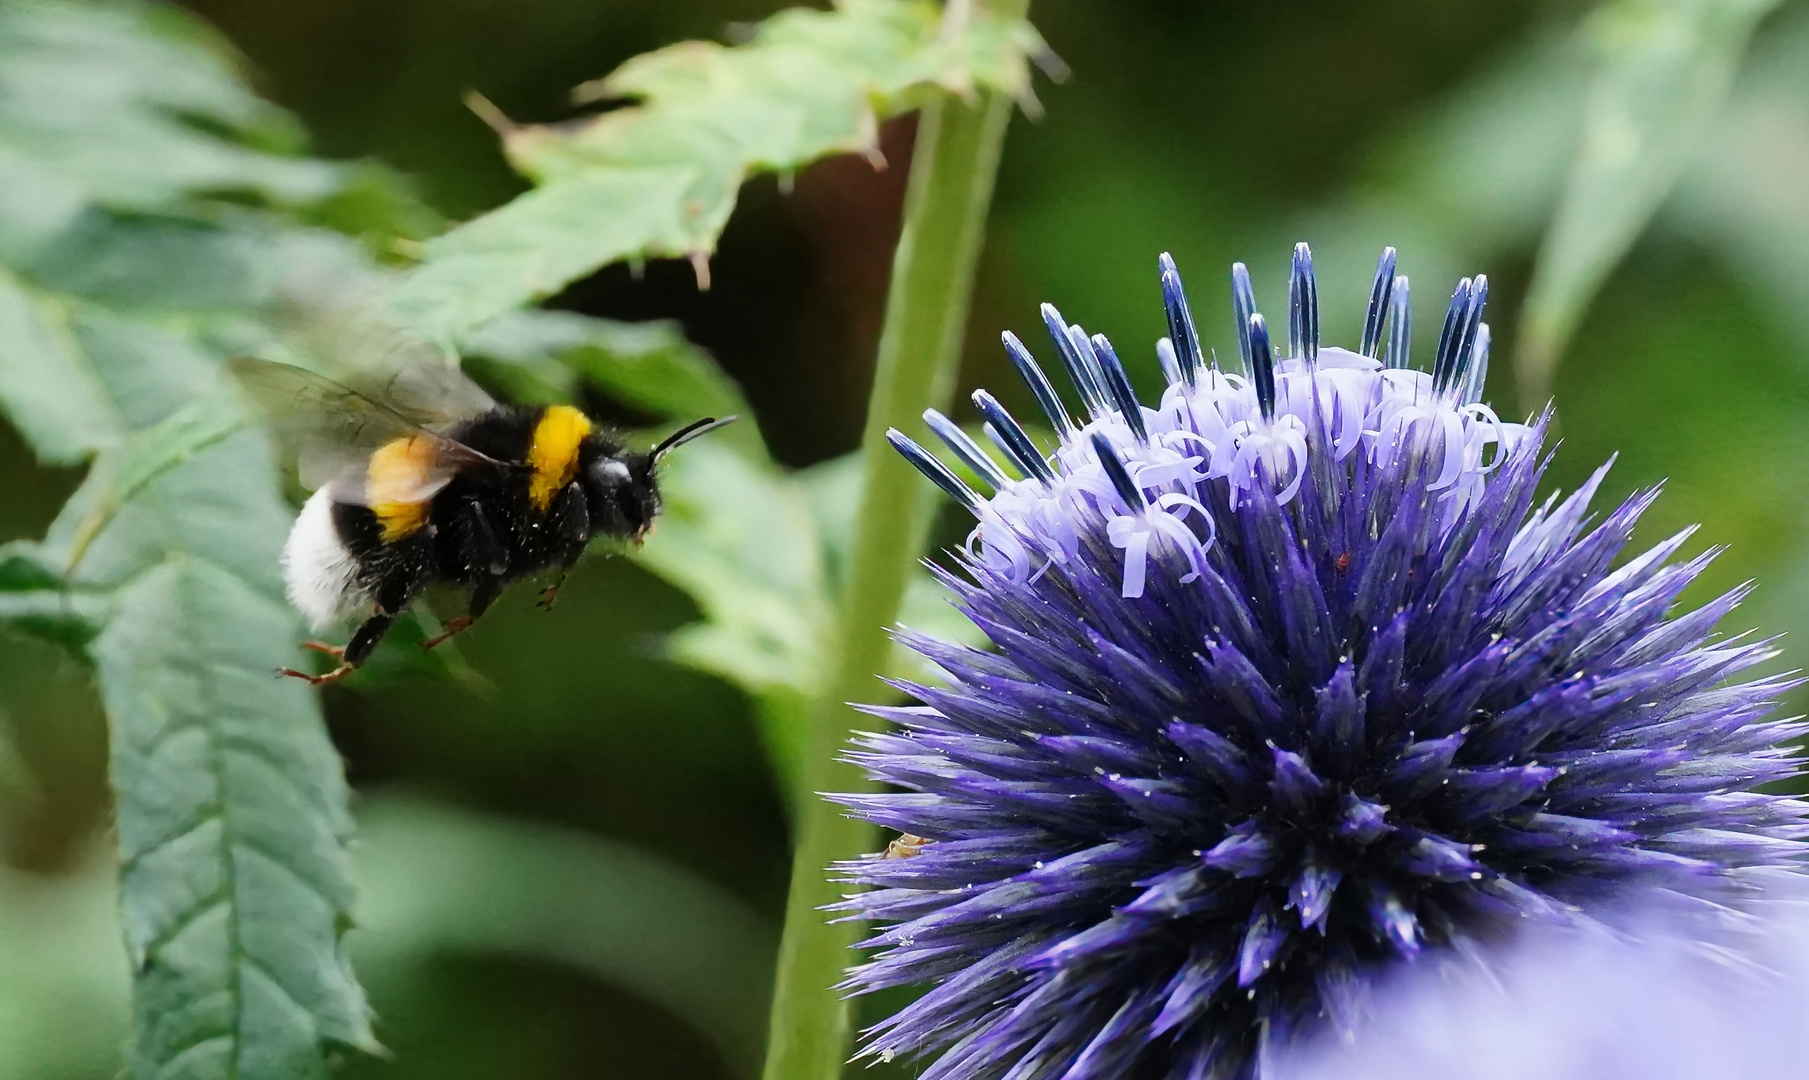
{"x": 621, "y": 494}
{"x": 619, "y": 485}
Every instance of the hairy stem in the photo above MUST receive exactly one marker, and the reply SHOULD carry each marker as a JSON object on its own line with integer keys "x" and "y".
{"x": 952, "y": 170}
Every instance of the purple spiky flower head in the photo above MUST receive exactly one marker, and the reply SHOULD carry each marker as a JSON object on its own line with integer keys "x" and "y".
{"x": 1289, "y": 679}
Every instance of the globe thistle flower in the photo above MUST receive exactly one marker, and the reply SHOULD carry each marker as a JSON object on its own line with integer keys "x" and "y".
{"x": 1290, "y": 679}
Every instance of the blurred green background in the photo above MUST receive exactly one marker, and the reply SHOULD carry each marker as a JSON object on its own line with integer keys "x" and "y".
{"x": 573, "y": 863}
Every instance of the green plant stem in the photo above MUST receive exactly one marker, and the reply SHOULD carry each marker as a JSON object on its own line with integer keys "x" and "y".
{"x": 952, "y": 170}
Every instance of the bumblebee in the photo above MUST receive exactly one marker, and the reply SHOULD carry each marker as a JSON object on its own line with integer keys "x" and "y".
{"x": 426, "y": 479}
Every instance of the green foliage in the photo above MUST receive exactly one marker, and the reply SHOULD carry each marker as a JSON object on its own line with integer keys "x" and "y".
{"x": 1666, "y": 67}
{"x": 124, "y": 280}
{"x": 659, "y": 178}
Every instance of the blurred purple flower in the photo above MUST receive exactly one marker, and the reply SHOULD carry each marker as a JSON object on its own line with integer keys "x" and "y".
{"x": 1664, "y": 1001}
{"x": 1290, "y": 679}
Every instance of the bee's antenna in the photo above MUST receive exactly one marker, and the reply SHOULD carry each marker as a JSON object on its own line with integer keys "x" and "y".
{"x": 687, "y": 433}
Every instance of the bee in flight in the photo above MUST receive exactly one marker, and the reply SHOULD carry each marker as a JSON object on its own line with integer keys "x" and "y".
{"x": 428, "y": 480}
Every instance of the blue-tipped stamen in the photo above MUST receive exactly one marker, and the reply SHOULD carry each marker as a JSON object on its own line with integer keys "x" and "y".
{"x": 1039, "y": 383}
{"x": 1118, "y": 384}
{"x": 1012, "y": 438}
{"x": 1400, "y": 323}
{"x": 1243, "y": 305}
{"x": 966, "y": 449}
{"x": 1303, "y": 305}
{"x": 1089, "y": 359}
{"x": 1079, "y": 367}
{"x": 1466, "y": 340}
{"x": 1184, "y": 339}
{"x": 939, "y": 474}
{"x": 1444, "y": 360}
{"x": 1166, "y": 360}
{"x": 1262, "y": 365}
{"x": 998, "y": 441}
{"x": 1115, "y": 471}
{"x": 1379, "y": 292}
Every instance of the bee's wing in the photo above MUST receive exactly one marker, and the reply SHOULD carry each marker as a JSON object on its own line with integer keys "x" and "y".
{"x": 412, "y": 381}
{"x": 332, "y": 326}
{"x": 333, "y": 430}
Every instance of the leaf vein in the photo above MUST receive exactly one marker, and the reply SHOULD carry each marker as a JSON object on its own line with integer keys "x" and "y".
{"x": 185, "y": 920}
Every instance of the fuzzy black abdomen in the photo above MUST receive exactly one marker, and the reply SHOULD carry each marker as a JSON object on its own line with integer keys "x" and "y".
{"x": 392, "y": 572}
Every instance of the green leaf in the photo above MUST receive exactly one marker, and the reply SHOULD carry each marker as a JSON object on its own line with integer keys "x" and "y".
{"x": 377, "y": 206}
{"x": 33, "y": 599}
{"x": 24, "y": 568}
{"x": 103, "y": 98}
{"x": 208, "y": 266}
{"x": 658, "y": 178}
{"x": 1666, "y": 67}
{"x": 63, "y": 618}
{"x": 209, "y": 418}
{"x": 123, "y": 284}
{"x": 533, "y": 246}
{"x": 588, "y": 904}
{"x": 230, "y": 799}
{"x": 232, "y": 832}
{"x": 43, "y": 390}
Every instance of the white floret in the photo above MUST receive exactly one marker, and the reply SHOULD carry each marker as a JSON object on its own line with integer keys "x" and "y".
{"x": 321, "y": 574}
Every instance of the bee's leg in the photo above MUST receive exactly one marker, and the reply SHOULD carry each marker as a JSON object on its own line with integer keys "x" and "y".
{"x": 571, "y": 524}
{"x": 550, "y": 595}
{"x": 352, "y": 654}
{"x": 394, "y": 593}
{"x": 365, "y": 638}
{"x": 482, "y": 558}
{"x": 335, "y": 675}
{"x": 482, "y": 597}
{"x": 454, "y": 627}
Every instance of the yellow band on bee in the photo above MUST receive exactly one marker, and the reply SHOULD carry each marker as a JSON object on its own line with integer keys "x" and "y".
{"x": 398, "y": 471}
{"x": 553, "y": 455}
